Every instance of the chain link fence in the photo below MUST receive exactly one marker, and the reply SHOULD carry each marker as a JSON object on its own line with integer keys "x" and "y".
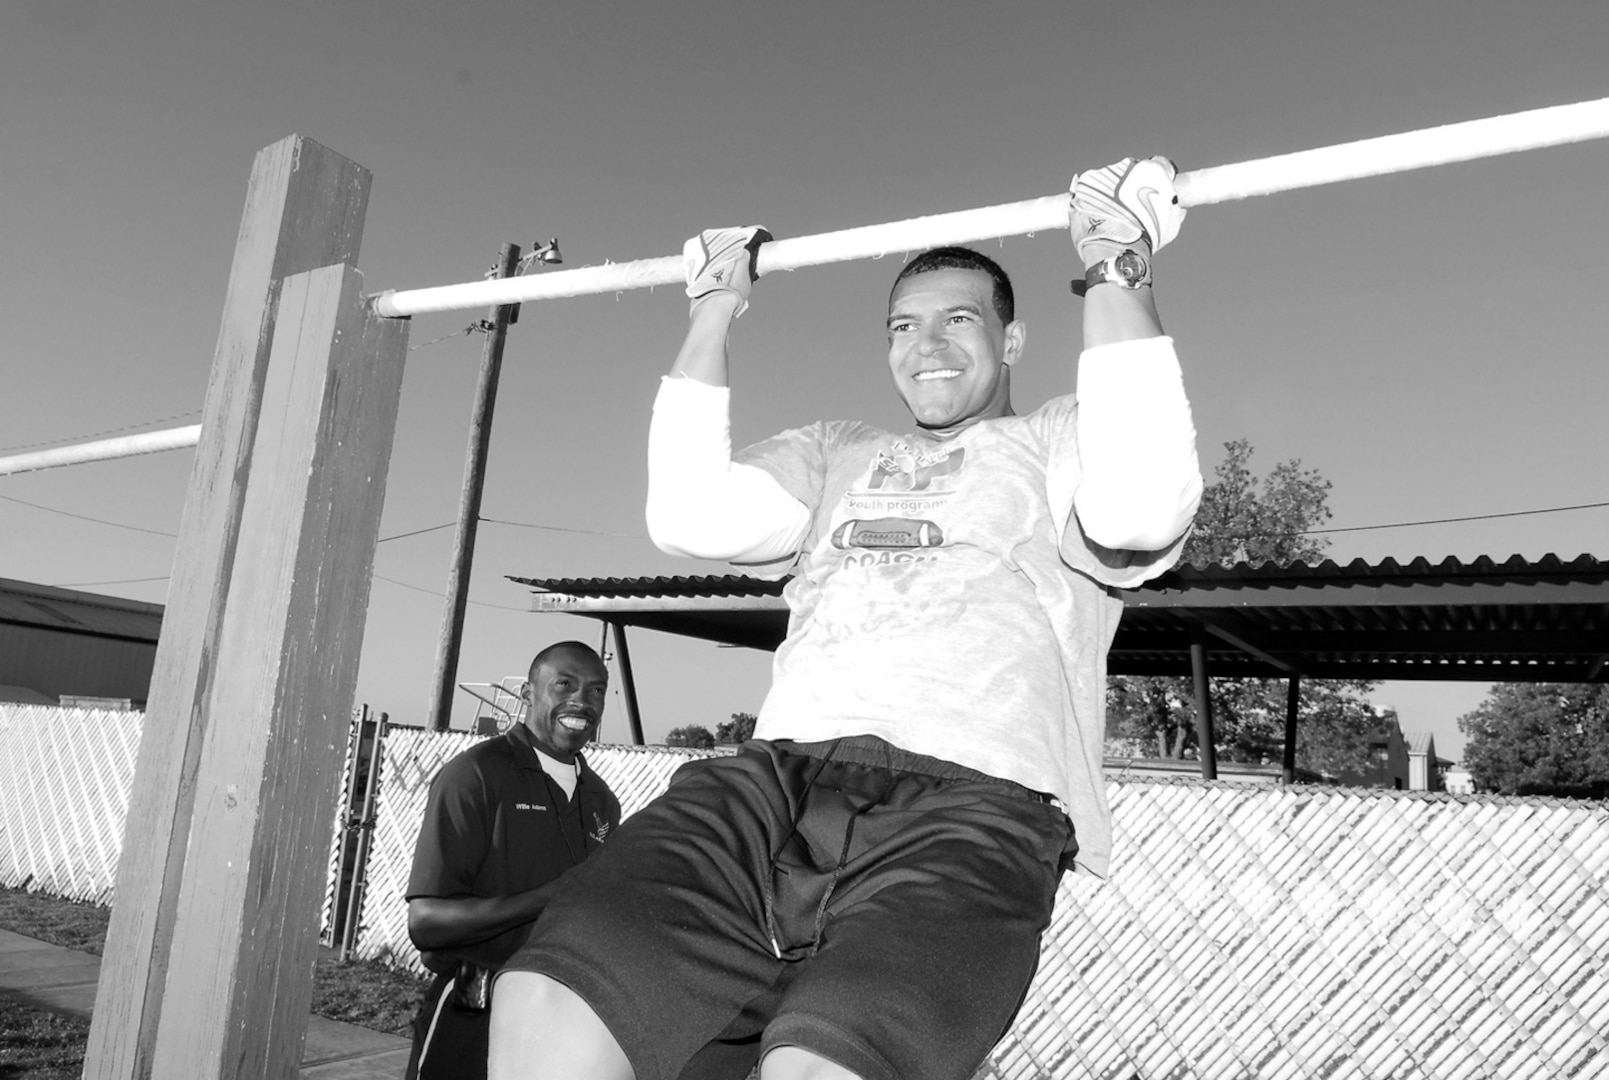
{"x": 1247, "y": 931}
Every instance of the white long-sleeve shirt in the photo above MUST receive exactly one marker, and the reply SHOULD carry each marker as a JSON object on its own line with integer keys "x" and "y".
{"x": 1138, "y": 488}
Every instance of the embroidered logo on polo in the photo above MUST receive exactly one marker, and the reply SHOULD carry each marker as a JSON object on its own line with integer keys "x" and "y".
{"x": 529, "y": 806}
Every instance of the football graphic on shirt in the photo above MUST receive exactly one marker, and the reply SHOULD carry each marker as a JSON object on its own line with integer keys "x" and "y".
{"x": 887, "y": 533}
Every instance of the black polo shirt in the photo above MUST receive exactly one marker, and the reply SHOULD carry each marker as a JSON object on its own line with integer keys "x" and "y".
{"x": 495, "y": 824}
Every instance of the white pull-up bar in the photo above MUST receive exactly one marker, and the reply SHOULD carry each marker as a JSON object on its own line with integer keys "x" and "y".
{"x": 149, "y": 442}
{"x": 1467, "y": 141}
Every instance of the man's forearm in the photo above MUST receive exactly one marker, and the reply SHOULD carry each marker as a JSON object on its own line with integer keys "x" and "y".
{"x": 439, "y": 923}
{"x": 703, "y": 353}
{"x": 1113, "y": 314}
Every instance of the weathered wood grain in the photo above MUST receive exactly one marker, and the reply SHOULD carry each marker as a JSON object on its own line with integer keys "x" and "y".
{"x": 304, "y": 209}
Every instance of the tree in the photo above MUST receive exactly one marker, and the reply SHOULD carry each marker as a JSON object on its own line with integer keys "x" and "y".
{"x": 738, "y": 730}
{"x": 1242, "y": 519}
{"x": 1238, "y": 522}
{"x": 1334, "y": 724}
{"x": 1540, "y": 739}
{"x": 695, "y": 736}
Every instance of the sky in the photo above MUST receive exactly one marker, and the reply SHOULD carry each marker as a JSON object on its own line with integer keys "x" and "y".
{"x": 1433, "y": 342}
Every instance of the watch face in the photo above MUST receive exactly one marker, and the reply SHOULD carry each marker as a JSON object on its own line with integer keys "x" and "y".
{"x": 1131, "y": 267}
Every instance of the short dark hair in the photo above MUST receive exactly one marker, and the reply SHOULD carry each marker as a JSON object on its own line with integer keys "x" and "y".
{"x": 561, "y": 646}
{"x": 960, "y": 258}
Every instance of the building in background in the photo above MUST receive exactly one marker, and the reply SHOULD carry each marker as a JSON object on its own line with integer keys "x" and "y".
{"x": 1426, "y": 771}
{"x": 60, "y": 646}
{"x": 1402, "y": 761}
{"x": 1458, "y": 780}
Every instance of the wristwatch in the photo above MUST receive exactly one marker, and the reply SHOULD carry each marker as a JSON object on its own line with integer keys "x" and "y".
{"x": 1127, "y": 270}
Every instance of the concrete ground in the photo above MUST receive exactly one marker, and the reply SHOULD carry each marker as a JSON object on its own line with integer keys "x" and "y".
{"x": 63, "y": 981}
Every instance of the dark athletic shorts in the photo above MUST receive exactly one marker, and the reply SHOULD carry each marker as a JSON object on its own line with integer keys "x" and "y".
{"x": 879, "y": 908}
{"x": 448, "y": 1042}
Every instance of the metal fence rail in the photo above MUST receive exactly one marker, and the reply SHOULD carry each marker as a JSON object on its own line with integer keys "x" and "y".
{"x": 1274, "y": 933}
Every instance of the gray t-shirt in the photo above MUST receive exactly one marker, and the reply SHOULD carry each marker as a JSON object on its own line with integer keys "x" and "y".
{"x": 946, "y": 600}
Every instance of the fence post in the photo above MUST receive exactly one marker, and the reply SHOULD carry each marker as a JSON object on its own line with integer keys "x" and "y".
{"x": 360, "y": 861}
{"x": 343, "y": 828}
{"x": 1205, "y": 736}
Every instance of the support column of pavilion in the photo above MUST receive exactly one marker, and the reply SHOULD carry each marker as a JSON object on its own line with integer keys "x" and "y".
{"x": 628, "y": 682}
{"x": 1205, "y": 735}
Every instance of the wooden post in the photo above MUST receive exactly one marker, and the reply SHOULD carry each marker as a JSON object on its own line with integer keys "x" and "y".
{"x": 208, "y": 964}
{"x": 628, "y": 684}
{"x": 1293, "y": 700}
{"x": 1204, "y": 732}
{"x": 439, "y": 718}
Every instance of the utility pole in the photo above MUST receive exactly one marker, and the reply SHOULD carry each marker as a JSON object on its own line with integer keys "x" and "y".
{"x": 495, "y": 326}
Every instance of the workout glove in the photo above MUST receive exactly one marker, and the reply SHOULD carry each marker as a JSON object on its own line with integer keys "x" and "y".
{"x": 722, "y": 260}
{"x": 1125, "y": 204}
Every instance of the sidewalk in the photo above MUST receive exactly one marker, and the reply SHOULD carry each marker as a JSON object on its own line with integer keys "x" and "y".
{"x": 63, "y": 980}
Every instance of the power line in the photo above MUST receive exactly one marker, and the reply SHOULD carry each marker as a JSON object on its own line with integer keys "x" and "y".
{"x": 1415, "y": 524}
{"x": 417, "y": 532}
{"x": 67, "y": 439}
{"x": 99, "y": 434}
{"x": 1471, "y": 517}
{"x": 470, "y": 329}
{"x": 562, "y": 529}
{"x": 382, "y": 540}
{"x": 517, "y": 525}
{"x": 441, "y": 596}
{"x": 381, "y": 577}
{"x": 639, "y": 536}
{"x": 86, "y": 517}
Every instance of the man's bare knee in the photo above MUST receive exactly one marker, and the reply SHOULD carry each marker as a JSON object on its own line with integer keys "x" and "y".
{"x": 543, "y": 1030}
{"x": 797, "y": 1063}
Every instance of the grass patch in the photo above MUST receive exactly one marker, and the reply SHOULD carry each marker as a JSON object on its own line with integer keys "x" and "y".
{"x": 50, "y": 918}
{"x": 368, "y": 994}
{"x": 362, "y": 992}
{"x": 40, "y": 1045}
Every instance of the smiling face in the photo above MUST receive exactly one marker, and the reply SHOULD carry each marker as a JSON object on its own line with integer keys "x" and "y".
{"x": 564, "y": 699}
{"x": 948, "y": 350}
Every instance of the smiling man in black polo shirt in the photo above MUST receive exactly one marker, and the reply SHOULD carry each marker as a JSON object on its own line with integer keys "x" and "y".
{"x": 504, "y": 820}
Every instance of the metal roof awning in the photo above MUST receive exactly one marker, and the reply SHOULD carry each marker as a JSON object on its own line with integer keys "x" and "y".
{"x": 728, "y": 610}
{"x": 45, "y": 607}
{"x": 1483, "y": 621}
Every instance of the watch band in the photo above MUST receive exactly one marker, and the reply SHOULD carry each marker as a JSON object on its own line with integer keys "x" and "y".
{"x": 1127, "y": 270}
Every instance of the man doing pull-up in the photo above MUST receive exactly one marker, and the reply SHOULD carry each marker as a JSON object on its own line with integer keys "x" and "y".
{"x": 860, "y": 891}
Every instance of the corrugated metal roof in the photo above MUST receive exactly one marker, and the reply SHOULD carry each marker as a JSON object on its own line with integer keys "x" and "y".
{"x": 1516, "y": 620}
{"x": 1237, "y": 575}
{"x": 1483, "y": 567}
{"x": 26, "y": 604}
{"x": 697, "y": 586}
